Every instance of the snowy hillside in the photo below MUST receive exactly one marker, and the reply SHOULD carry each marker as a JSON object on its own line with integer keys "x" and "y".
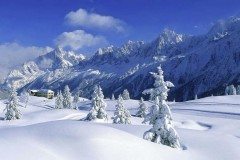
{"x": 201, "y": 65}
{"x": 208, "y": 130}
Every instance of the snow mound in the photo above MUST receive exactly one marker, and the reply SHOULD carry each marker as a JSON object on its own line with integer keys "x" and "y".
{"x": 58, "y": 134}
{"x": 64, "y": 140}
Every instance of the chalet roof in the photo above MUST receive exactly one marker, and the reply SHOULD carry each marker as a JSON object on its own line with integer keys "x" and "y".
{"x": 34, "y": 90}
{"x": 42, "y": 91}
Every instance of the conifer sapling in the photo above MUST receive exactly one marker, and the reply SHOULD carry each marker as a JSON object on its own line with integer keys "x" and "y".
{"x": 113, "y": 98}
{"x": 121, "y": 114}
{"x": 67, "y": 103}
{"x": 59, "y": 101}
{"x": 142, "y": 110}
{"x": 125, "y": 94}
{"x": 12, "y": 110}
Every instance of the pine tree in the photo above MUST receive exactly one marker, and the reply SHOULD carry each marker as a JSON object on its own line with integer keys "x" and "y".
{"x": 121, "y": 114}
{"x": 67, "y": 98}
{"x": 75, "y": 100}
{"x": 24, "y": 98}
{"x": 12, "y": 111}
{"x": 59, "y": 101}
{"x": 232, "y": 90}
{"x": 125, "y": 94}
{"x": 142, "y": 110}
{"x": 113, "y": 98}
{"x": 160, "y": 117}
{"x": 196, "y": 97}
{"x": 98, "y": 106}
{"x": 227, "y": 90}
{"x": 238, "y": 90}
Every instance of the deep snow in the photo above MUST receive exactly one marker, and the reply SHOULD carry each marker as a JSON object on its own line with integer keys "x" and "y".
{"x": 209, "y": 129}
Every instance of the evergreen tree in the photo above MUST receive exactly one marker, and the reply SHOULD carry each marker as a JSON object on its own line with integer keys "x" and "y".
{"x": 238, "y": 90}
{"x": 232, "y": 90}
{"x": 24, "y": 98}
{"x": 121, "y": 114}
{"x": 75, "y": 100}
{"x": 12, "y": 111}
{"x": 227, "y": 90}
{"x": 196, "y": 97}
{"x": 125, "y": 94}
{"x": 59, "y": 101}
{"x": 142, "y": 110}
{"x": 113, "y": 98}
{"x": 67, "y": 103}
{"x": 160, "y": 117}
{"x": 98, "y": 106}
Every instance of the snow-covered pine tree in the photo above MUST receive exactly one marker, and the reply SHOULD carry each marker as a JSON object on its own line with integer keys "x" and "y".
{"x": 113, "y": 98}
{"x": 196, "y": 97}
{"x": 232, "y": 90}
{"x": 238, "y": 90}
{"x": 12, "y": 111}
{"x": 142, "y": 110}
{"x": 121, "y": 114}
{"x": 125, "y": 94}
{"x": 24, "y": 98}
{"x": 227, "y": 90}
{"x": 59, "y": 101}
{"x": 98, "y": 106}
{"x": 160, "y": 114}
{"x": 75, "y": 100}
{"x": 67, "y": 103}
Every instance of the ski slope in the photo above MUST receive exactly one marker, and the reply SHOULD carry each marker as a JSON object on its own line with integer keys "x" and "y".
{"x": 209, "y": 129}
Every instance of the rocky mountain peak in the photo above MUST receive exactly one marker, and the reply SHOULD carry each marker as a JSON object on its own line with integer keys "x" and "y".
{"x": 225, "y": 27}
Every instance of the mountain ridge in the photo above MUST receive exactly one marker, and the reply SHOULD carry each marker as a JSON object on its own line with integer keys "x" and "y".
{"x": 201, "y": 65}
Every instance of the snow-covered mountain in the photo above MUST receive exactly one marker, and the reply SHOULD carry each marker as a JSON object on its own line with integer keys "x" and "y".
{"x": 200, "y": 65}
{"x": 57, "y": 59}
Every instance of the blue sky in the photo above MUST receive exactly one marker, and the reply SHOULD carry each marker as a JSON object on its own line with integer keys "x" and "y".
{"x": 39, "y": 22}
{"x": 27, "y": 27}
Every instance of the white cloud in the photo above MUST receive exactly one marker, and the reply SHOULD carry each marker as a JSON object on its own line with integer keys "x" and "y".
{"x": 13, "y": 54}
{"x": 79, "y": 39}
{"x": 93, "y": 20}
